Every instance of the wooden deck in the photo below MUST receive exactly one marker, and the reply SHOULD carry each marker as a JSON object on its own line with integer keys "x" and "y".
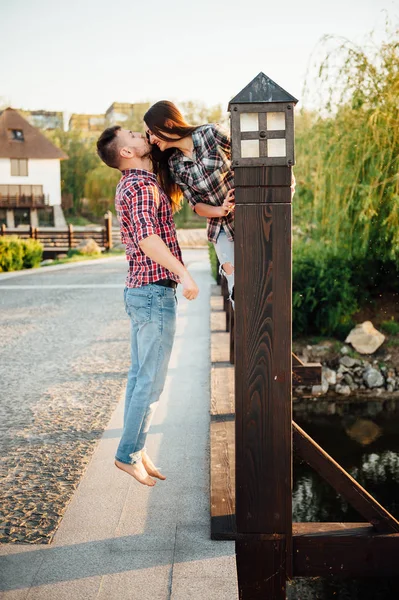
{"x": 222, "y": 425}
{"x": 319, "y": 549}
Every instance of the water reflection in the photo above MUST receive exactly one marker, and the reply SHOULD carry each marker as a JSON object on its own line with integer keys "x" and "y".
{"x": 363, "y": 436}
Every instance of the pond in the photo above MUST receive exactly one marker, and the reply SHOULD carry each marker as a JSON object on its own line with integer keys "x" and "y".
{"x": 363, "y": 436}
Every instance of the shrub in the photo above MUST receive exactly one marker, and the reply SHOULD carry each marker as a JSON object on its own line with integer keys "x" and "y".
{"x": 324, "y": 296}
{"x": 32, "y": 253}
{"x": 11, "y": 254}
{"x": 17, "y": 254}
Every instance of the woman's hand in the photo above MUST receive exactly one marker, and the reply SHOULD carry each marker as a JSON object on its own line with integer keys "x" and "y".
{"x": 228, "y": 205}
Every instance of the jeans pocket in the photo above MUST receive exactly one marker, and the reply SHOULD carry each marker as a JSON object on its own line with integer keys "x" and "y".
{"x": 138, "y": 307}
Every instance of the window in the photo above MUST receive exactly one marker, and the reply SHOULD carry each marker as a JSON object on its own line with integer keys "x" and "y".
{"x": 21, "y": 216}
{"x": 16, "y": 135}
{"x": 46, "y": 216}
{"x": 19, "y": 167}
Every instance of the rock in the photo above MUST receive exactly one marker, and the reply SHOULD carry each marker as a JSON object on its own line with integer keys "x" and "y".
{"x": 373, "y": 378}
{"x": 321, "y": 351}
{"x": 344, "y": 350}
{"x": 344, "y": 390}
{"x": 347, "y": 361}
{"x": 329, "y": 375}
{"x": 88, "y": 246}
{"x": 348, "y": 379}
{"x": 319, "y": 390}
{"x": 365, "y": 338}
{"x": 300, "y": 390}
{"x": 62, "y": 255}
{"x": 48, "y": 261}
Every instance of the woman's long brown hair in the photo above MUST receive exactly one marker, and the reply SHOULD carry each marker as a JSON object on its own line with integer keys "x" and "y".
{"x": 164, "y": 117}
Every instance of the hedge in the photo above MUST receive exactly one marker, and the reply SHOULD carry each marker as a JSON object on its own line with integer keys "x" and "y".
{"x": 17, "y": 254}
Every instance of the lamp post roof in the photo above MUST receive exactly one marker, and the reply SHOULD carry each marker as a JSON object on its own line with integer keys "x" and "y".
{"x": 262, "y": 89}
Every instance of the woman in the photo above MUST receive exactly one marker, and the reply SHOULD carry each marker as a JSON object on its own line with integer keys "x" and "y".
{"x": 196, "y": 161}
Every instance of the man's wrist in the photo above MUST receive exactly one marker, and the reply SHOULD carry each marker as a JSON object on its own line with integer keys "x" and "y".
{"x": 182, "y": 272}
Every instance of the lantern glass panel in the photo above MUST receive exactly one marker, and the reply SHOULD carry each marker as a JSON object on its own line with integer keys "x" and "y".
{"x": 249, "y": 122}
{"x": 275, "y": 121}
{"x": 249, "y": 148}
{"x": 276, "y": 148}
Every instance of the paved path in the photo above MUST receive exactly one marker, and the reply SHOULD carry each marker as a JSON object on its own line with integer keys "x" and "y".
{"x": 119, "y": 540}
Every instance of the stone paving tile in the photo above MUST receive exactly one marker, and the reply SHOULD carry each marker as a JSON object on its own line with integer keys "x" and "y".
{"x": 62, "y": 374}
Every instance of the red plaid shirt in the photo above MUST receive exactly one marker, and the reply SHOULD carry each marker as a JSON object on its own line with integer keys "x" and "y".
{"x": 144, "y": 209}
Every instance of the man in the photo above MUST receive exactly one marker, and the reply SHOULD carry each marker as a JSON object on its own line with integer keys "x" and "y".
{"x": 155, "y": 268}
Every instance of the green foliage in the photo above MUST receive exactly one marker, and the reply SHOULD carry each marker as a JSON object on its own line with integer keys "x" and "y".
{"x": 391, "y": 327}
{"x": 197, "y": 113}
{"x": 186, "y": 218}
{"x": 32, "y": 253}
{"x": 82, "y": 160}
{"x": 213, "y": 260}
{"x": 99, "y": 189}
{"x": 324, "y": 297}
{"x": 348, "y": 153}
{"x": 17, "y": 254}
{"x": 11, "y": 254}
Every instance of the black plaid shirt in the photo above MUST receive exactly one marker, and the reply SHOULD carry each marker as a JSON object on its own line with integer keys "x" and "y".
{"x": 208, "y": 177}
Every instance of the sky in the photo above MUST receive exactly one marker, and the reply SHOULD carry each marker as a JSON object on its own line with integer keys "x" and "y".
{"x": 82, "y": 55}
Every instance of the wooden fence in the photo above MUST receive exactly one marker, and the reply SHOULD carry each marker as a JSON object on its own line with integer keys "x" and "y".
{"x": 59, "y": 241}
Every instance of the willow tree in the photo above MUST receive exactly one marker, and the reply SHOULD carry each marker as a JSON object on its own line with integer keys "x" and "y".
{"x": 348, "y": 152}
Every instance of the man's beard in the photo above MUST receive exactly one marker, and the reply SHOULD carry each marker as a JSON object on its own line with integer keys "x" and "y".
{"x": 146, "y": 153}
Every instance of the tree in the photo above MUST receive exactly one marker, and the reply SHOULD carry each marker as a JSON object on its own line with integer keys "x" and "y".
{"x": 82, "y": 160}
{"x": 99, "y": 189}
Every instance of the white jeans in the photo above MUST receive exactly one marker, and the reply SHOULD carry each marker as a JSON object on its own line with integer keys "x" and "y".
{"x": 225, "y": 253}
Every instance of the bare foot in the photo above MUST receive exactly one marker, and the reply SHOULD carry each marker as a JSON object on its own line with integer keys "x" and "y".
{"x": 137, "y": 471}
{"x": 150, "y": 467}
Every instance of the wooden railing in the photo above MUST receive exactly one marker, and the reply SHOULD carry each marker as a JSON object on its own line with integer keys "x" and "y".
{"x": 22, "y": 201}
{"x": 58, "y": 241}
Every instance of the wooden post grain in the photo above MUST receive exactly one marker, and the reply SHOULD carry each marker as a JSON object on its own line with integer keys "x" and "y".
{"x": 70, "y": 236}
{"x": 263, "y": 379}
{"x": 108, "y": 230}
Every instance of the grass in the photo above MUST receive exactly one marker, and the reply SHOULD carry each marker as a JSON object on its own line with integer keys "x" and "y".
{"x": 79, "y": 221}
{"x": 390, "y": 327}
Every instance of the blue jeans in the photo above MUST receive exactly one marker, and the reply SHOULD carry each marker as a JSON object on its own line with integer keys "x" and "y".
{"x": 225, "y": 253}
{"x": 152, "y": 312}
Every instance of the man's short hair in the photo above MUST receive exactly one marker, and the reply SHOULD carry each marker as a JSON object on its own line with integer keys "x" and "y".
{"x": 108, "y": 148}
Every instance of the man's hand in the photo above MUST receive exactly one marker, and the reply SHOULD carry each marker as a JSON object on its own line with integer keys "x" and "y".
{"x": 190, "y": 288}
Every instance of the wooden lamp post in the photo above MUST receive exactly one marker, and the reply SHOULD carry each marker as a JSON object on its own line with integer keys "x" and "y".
{"x": 262, "y": 124}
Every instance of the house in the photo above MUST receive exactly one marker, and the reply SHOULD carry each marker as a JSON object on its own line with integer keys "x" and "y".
{"x": 44, "y": 119}
{"x": 30, "y": 178}
{"x": 85, "y": 123}
{"x": 119, "y": 112}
